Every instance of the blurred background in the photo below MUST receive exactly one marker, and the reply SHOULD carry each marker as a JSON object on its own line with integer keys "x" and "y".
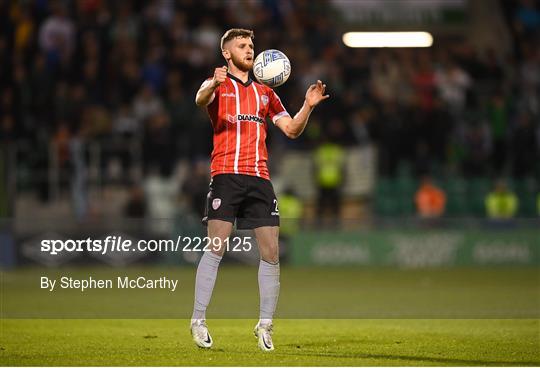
{"x": 422, "y": 156}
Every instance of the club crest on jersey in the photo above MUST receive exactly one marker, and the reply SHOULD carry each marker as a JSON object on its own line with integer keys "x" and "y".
{"x": 216, "y": 203}
{"x": 264, "y": 99}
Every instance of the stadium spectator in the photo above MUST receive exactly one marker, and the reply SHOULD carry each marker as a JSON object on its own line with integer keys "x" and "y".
{"x": 158, "y": 143}
{"x": 160, "y": 12}
{"x": 124, "y": 122}
{"x": 180, "y": 109}
{"x": 195, "y": 187}
{"x": 136, "y": 206}
{"x": 501, "y": 203}
{"x": 329, "y": 175}
{"x": 42, "y": 82}
{"x": 24, "y": 29}
{"x": 524, "y": 145}
{"x": 453, "y": 82}
{"x": 147, "y": 104}
{"x": 129, "y": 82}
{"x": 61, "y": 142}
{"x": 161, "y": 190}
{"x": 126, "y": 25}
{"x": 527, "y": 17}
{"x": 7, "y": 105}
{"x": 386, "y": 78}
{"x": 79, "y": 175}
{"x": 125, "y": 129}
{"x": 423, "y": 162}
{"x": 7, "y": 129}
{"x": 498, "y": 117}
{"x": 57, "y": 35}
{"x": 153, "y": 70}
{"x": 528, "y": 69}
{"x": 362, "y": 126}
{"x": 423, "y": 81}
{"x": 430, "y": 200}
{"x": 74, "y": 100}
{"x": 477, "y": 147}
{"x": 393, "y": 137}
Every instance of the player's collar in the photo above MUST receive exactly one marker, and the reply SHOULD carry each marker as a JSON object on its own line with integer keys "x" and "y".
{"x": 248, "y": 82}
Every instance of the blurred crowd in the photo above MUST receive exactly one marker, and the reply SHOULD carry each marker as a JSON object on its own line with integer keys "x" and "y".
{"x": 124, "y": 73}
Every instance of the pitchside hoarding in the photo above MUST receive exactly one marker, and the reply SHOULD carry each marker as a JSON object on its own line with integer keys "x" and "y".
{"x": 414, "y": 248}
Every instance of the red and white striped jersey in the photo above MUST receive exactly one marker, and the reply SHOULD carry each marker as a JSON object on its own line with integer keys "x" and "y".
{"x": 238, "y": 113}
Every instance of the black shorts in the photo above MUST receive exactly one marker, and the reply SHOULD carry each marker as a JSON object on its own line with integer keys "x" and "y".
{"x": 248, "y": 200}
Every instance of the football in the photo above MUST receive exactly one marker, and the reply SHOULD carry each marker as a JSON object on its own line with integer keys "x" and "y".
{"x": 272, "y": 68}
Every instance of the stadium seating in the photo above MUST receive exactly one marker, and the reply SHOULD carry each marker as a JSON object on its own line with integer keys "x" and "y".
{"x": 395, "y": 196}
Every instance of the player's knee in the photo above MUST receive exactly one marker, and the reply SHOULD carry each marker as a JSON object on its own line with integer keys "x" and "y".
{"x": 271, "y": 253}
{"x": 219, "y": 251}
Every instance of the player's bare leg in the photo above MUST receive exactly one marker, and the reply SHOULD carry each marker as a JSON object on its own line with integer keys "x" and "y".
{"x": 267, "y": 239}
{"x": 221, "y": 230}
{"x": 206, "y": 279}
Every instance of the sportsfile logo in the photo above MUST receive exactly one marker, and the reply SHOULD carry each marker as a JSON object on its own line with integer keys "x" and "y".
{"x": 121, "y": 244}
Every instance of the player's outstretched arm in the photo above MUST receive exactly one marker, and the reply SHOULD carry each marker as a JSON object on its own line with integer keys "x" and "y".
{"x": 293, "y": 127}
{"x": 205, "y": 94}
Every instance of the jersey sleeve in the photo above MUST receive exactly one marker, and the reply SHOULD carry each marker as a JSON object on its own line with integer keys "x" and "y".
{"x": 276, "y": 110}
{"x": 213, "y": 97}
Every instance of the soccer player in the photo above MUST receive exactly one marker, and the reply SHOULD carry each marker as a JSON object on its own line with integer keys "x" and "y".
{"x": 240, "y": 188}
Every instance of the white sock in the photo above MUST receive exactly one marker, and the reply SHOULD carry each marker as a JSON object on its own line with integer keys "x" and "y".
{"x": 204, "y": 283}
{"x": 265, "y": 321}
{"x": 268, "y": 290}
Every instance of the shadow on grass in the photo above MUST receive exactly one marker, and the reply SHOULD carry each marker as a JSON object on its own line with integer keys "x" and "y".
{"x": 435, "y": 360}
{"x": 310, "y": 349}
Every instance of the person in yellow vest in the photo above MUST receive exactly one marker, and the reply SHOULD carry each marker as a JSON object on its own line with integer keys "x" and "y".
{"x": 501, "y": 203}
{"x": 291, "y": 211}
{"x": 329, "y": 175}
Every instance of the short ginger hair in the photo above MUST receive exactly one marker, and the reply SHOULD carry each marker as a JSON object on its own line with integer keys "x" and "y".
{"x": 236, "y": 32}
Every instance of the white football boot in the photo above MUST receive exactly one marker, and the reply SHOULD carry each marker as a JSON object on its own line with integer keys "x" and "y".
{"x": 200, "y": 334}
{"x": 264, "y": 334}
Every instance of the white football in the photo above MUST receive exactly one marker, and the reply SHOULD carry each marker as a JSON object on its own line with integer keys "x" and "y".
{"x": 272, "y": 68}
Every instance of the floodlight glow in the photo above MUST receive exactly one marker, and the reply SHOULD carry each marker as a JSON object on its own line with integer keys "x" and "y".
{"x": 387, "y": 39}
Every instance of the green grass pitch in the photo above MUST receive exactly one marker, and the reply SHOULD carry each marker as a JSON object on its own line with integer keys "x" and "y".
{"x": 495, "y": 319}
{"x": 298, "y": 342}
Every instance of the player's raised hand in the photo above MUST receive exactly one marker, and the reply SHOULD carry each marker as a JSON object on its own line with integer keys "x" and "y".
{"x": 220, "y": 74}
{"x": 315, "y": 94}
